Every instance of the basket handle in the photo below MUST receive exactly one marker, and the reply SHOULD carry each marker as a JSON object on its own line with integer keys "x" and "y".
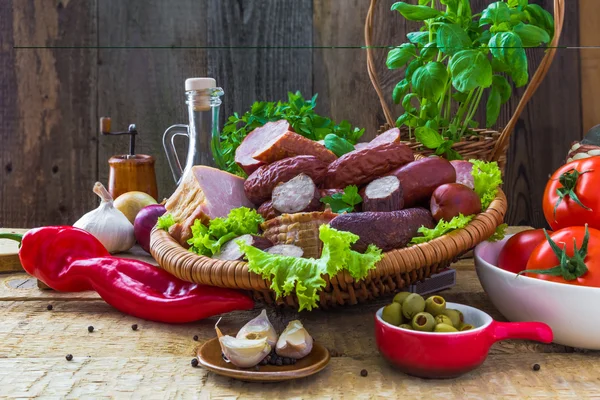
{"x": 536, "y": 80}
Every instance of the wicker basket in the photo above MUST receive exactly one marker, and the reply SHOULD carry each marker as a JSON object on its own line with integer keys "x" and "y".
{"x": 399, "y": 268}
{"x": 488, "y": 145}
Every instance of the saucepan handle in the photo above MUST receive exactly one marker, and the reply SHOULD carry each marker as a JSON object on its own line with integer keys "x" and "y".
{"x": 537, "y": 331}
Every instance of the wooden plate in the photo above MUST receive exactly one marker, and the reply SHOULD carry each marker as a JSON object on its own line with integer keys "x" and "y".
{"x": 209, "y": 356}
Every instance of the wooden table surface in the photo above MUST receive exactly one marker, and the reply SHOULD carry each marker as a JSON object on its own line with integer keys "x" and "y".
{"x": 154, "y": 362}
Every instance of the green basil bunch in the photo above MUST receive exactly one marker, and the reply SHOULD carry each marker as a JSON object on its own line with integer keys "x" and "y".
{"x": 455, "y": 57}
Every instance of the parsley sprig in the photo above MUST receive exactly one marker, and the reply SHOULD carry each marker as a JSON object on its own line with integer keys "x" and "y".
{"x": 343, "y": 202}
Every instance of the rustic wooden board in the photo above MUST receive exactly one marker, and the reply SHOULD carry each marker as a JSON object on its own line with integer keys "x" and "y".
{"x": 48, "y": 136}
{"x": 589, "y": 15}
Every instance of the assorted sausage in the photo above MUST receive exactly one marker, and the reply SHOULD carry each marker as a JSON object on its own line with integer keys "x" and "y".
{"x": 383, "y": 194}
{"x": 299, "y": 194}
{"x": 451, "y": 199}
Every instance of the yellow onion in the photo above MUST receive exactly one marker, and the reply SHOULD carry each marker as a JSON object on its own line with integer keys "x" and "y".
{"x": 131, "y": 203}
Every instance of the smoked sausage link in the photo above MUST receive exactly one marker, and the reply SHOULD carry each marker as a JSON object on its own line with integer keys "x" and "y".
{"x": 296, "y": 195}
{"x": 260, "y": 184}
{"x": 452, "y": 199}
{"x": 389, "y": 136}
{"x": 386, "y": 230}
{"x": 255, "y": 140}
{"x": 267, "y": 211}
{"x": 383, "y": 194}
{"x": 291, "y": 144}
{"x": 362, "y": 166}
{"x": 420, "y": 178}
{"x": 464, "y": 171}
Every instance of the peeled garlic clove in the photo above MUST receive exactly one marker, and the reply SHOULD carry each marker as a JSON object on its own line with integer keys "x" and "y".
{"x": 294, "y": 341}
{"x": 257, "y": 328}
{"x": 243, "y": 353}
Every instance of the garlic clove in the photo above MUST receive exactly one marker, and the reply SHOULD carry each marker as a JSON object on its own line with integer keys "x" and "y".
{"x": 294, "y": 341}
{"x": 258, "y": 328}
{"x": 243, "y": 353}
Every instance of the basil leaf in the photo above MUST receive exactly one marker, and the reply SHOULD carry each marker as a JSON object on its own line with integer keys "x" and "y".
{"x": 424, "y": 2}
{"x": 531, "y": 35}
{"x": 464, "y": 9}
{"x": 432, "y": 111}
{"x": 470, "y": 69}
{"x": 415, "y": 13}
{"x": 412, "y": 67}
{"x": 429, "y": 51}
{"x": 460, "y": 97}
{"x": 492, "y": 109}
{"x": 495, "y": 14}
{"x": 429, "y": 81}
{"x": 432, "y": 123}
{"x": 540, "y": 18}
{"x": 502, "y": 86}
{"x": 421, "y": 38}
{"x": 451, "y": 5}
{"x": 407, "y": 101}
{"x": 508, "y": 49}
{"x": 517, "y": 3}
{"x": 428, "y": 137}
{"x": 400, "y": 90}
{"x": 400, "y": 55}
{"x": 499, "y": 66}
{"x": 517, "y": 16}
{"x": 451, "y": 39}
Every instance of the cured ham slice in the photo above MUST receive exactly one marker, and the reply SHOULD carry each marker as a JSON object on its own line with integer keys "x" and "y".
{"x": 204, "y": 194}
{"x": 389, "y": 136}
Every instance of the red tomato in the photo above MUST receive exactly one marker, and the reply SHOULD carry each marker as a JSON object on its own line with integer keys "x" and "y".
{"x": 516, "y": 251}
{"x": 573, "y": 272}
{"x": 579, "y": 177}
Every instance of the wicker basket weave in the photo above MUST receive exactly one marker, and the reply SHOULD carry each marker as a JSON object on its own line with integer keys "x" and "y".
{"x": 399, "y": 268}
{"x": 488, "y": 145}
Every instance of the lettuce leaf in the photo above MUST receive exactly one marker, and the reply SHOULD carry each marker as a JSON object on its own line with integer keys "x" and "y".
{"x": 442, "y": 227}
{"x": 165, "y": 222}
{"x": 487, "y": 177}
{"x": 304, "y": 275}
{"x": 207, "y": 240}
{"x": 499, "y": 234}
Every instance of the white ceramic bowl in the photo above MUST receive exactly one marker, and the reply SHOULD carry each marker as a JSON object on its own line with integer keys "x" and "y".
{"x": 573, "y": 312}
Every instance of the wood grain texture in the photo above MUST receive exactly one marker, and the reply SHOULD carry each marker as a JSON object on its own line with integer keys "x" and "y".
{"x": 251, "y": 61}
{"x": 145, "y": 86}
{"x": 48, "y": 151}
{"x": 589, "y": 15}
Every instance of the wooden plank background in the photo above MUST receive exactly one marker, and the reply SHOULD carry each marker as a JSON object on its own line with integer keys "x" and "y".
{"x": 51, "y": 98}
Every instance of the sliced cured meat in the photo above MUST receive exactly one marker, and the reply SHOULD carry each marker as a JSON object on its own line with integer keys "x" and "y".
{"x": 231, "y": 250}
{"x": 383, "y": 194}
{"x": 260, "y": 183}
{"x": 256, "y": 141}
{"x": 386, "y": 230}
{"x": 329, "y": 192}
{"x": 296, "y": 195}
{"x": 288, "y": 250}
{"x": 291, "y": 144}
{"x": 389, "y": 136}
{"x": 464, "y": 171}
{"x": 205, "y": 193}
{"x": 362, "y": 166}
{"x": 421, "y": 177}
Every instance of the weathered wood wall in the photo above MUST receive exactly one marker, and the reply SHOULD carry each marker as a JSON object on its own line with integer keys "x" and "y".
{"x": 100, "y": 61}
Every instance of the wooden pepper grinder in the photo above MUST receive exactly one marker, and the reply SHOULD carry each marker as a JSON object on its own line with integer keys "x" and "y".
{"x": 129, "y": 172}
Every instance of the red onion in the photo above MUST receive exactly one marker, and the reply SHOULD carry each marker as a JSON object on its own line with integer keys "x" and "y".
{"x": 144, "y": 222}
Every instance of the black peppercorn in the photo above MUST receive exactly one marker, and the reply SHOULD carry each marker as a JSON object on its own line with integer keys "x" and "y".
{"x": 49, "y": 308}
{"x": 286, "y": 361}
{"x": 536, "y": 367}
{"x": 90, "y": 329}
{"x": 69, "y": 357}
{"x": 134, "y": 327}
{"x": 364, "y": 372}
{"x": 194, "y": 362}
{"x": 279, "y": 362}
{"x": 196, "y": 338}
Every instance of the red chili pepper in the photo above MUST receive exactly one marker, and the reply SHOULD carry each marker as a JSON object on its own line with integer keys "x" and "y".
{"x": 71, "y": 260}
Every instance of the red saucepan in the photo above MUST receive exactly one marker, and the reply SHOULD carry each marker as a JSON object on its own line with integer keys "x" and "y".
{"x": 448, "y": 355}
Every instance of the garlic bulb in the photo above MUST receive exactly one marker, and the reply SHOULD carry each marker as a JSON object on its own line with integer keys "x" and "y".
{"x": 243, "y": 353}
{"x": 109, "y": 225}
{"x": 294, "y": 341}
{"x": 258, "y": 328}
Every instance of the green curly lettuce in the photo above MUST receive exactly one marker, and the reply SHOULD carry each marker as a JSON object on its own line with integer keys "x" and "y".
{"x": 165, "y": 222}
{"x": 487, "y": 178}
{"x": 442, "y": 227}
{"x": 207, "y": 240}
{"x": 499, "y": 233}
{"x": 304, "y": 276}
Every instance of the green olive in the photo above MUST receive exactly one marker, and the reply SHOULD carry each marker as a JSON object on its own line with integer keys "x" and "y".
{"x": 453, "y": 315}
{"x": 443, "y": 319}
{"x": 423, "y": 322}
{"x": 444, "y": 328}
{"x": 466, "y": 327}
{"x": 434, "y": 305}
{"x": 406, "y": 326}
{"x": 461, "y": 317}
{"x": 400, "y": 297}
{"x": 392, "y": 314}
{"x": 412, "y": 305}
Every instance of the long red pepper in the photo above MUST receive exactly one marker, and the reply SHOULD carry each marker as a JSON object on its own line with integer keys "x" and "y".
{"x": 71, "y": 260}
